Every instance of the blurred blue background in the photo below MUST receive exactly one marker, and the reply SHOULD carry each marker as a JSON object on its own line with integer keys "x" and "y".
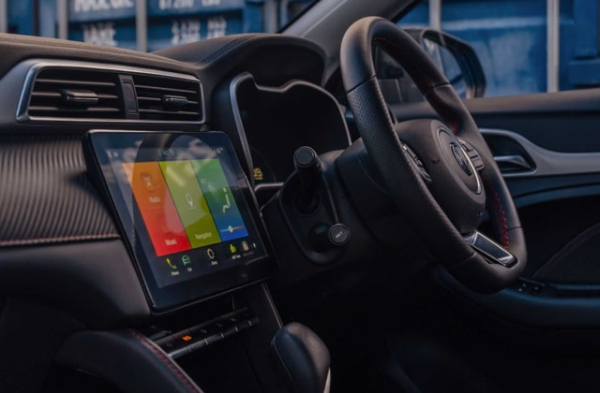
{"x": 509, "y": 36}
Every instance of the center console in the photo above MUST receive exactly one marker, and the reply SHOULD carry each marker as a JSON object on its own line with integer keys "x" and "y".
{"x": 189, "y": 221}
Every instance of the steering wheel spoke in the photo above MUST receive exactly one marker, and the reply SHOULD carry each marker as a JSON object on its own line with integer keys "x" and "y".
{"x": 492, "y": 251}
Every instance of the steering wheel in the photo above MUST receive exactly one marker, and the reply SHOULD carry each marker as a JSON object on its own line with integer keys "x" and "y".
{"x": 441, "y": 174}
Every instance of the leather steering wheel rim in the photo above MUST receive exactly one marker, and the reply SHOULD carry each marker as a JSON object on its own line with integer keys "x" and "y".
{"x": 402, "y": 178}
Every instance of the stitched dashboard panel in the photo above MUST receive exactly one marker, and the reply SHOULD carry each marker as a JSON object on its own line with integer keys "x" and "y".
{"x": 45, "y": 193}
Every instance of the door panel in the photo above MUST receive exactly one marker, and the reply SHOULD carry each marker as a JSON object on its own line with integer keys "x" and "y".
{"x": 518, "y": 157}
{"x": 548, "y": 147}
{"x": 563, "y": 122}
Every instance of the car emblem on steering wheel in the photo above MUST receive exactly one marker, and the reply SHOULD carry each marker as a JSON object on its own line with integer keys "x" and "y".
{"x": 461, "y": 159}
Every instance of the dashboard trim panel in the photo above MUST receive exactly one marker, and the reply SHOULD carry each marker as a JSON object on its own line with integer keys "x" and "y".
{"x": 233, "y": 90}
{"x": 235, "y": 109}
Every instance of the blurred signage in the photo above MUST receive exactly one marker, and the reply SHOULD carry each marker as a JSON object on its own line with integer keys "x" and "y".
{"x": 105, "y": 33}
{"x": 157, "y": 8}
{"x": 165, "y": 32}
{"x": 103, "y": 22}
{"x": 170, "y": 22}
{"x": 96, "y": 10}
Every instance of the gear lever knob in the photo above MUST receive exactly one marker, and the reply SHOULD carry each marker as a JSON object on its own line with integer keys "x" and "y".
{"x": 303, "y": 359}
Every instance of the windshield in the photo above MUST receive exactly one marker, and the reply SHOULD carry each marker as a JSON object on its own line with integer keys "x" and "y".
{"x": 166, "y": 22}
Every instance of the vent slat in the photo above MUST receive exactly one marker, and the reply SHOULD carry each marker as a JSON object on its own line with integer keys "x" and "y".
{"x": 159, "y": 100}
{"x": 151, "y": 92}
{"x": 47, "y": 95}
{"x": 51, "y": 94}
{"x": 34, "y": 108}
{"x": 150, "y": 99}
{"x": 159, "y": 97}
{"x": 165, "y": 89}
{"x": 76, "y": 82}
{"x": 164, "y": 112}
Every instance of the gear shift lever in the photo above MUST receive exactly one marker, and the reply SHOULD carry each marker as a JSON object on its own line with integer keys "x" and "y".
{"x": 308, "y": 167}
{"x": 303, "y": 357}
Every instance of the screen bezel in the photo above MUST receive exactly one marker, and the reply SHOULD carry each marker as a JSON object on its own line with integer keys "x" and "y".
{"x": 97, "y": 142}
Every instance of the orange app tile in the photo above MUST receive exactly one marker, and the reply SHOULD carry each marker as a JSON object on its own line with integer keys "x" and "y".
{"x": 157, "y": 208}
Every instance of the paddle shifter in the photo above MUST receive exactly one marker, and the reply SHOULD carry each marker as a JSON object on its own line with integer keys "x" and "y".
{"x": 303, "y": 359}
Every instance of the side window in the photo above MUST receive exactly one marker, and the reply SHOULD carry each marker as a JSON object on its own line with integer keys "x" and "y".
{"x": 145, "y": 25}
{"x": 524, "y": 46}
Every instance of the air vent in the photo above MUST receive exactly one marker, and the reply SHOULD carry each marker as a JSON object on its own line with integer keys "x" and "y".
{"x": 167, "y": 99}
{"x": 72, "y": 93}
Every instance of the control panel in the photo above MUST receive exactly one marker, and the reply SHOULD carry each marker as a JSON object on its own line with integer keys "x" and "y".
{"x": 199, "y": 336}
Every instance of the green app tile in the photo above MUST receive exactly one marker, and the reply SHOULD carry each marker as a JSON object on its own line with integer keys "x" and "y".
{"x": 222, "y": 204}
{"x": 190, "y": 202}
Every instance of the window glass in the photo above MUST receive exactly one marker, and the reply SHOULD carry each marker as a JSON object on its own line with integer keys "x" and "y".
{"x": 170, "y": 22}
{"x": 510, "y": 38}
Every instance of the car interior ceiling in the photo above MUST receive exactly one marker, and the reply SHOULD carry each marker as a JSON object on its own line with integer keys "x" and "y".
{"x": 267, "y": 213}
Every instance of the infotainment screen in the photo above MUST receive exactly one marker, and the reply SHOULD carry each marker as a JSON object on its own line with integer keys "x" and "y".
{"x": 186, "y": 210}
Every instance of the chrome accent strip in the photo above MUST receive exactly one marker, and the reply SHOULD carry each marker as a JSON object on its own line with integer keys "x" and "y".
{"x": 327, "y": 388}
{"x": 516, "y": 160}
{"x": 268, "y": 186}
{"x": 35, "y": 66}
{"x": 548, "y": 162}
{"x": 490, "y": 249}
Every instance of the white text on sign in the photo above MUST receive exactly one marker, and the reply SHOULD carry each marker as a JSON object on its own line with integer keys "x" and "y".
{"x": 100, "y": 34}
{"x": 101, "y": 5}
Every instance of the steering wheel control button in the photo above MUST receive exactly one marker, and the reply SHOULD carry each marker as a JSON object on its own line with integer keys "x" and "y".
{"x": 325, "y": 237}
{"x": 473, "y": 155}
{"x": 418, "y": 163}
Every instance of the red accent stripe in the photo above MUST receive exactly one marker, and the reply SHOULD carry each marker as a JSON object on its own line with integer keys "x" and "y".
{"x": 501, "y": 220}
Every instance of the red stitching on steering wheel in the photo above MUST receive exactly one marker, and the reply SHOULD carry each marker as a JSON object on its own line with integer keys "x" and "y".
{"x": 501, "y": 221}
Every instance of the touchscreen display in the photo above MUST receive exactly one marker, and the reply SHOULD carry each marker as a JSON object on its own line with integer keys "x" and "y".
{"x": 181, "y": 201}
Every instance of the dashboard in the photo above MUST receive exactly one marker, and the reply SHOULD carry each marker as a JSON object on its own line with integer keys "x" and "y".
{"x": 141, "y": 211}
{"x": 202, "y": 127}
{"x": 147, "y": 199}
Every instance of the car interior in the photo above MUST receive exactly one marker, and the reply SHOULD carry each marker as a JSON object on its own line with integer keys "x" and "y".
{"x": 329, "y": 209}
